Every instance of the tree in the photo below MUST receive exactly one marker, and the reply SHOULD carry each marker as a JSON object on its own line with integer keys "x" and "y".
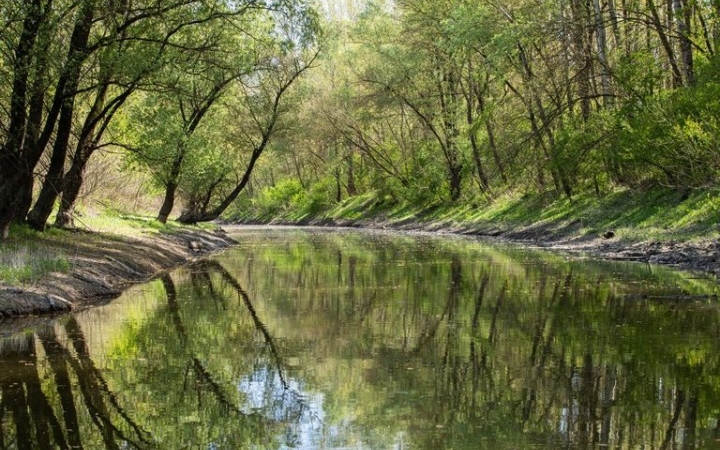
{"x": 18, "y": 156}
{"x": 100, "y": 39}
{"x": 172, "y": 139}
{"x": 262, "y": 101}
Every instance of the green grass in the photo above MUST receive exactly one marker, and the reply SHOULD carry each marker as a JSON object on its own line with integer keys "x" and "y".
{"x": 127, "y": 224}
{"x": 23, "y": 258}
{"x": 654, "y": 214}
{"x": 28, "y": 255}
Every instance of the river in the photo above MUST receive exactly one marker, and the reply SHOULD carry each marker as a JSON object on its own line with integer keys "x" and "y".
{"x": 342, "y": 339}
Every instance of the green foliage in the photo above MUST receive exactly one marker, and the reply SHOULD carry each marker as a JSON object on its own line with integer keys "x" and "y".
{"x": 318, "y": 198}
{"x": 421, "y": 103}
{"x": 277, "y": 199}
{"x": 287, "y": 200}
{"x": 638, "y": 77}
{"x": 674, "y": 138}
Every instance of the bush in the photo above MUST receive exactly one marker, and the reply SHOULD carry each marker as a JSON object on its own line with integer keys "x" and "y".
{"x": 319, "y": 197}
{"x": 676, "y": 136}
{"x": 276, "y": 199}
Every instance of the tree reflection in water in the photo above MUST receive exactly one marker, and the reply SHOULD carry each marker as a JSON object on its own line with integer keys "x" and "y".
{"x": 324, "y": 342}
{"x": 48, "y": 420}
{"x": 32, "y": 419}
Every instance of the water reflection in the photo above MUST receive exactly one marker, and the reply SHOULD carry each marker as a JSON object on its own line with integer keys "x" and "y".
{"x": 353, "y": 340}
{"x": 34, "y": 417}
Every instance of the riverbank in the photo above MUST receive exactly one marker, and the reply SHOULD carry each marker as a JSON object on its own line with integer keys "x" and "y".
{"x": 77, "y": 268}
{"x": 99, "y": 265}
{"x": 661, "y": 226}
{"x": 701, "y": 255}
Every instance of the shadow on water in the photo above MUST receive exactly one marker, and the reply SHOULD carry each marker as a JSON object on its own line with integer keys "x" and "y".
{"x": 345, "y": 341}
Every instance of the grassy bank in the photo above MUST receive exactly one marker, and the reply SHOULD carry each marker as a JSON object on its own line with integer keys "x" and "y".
{"x": 29, "y": 255}
{"x": 60, "y": 269}
{"x": 657, "y": 214}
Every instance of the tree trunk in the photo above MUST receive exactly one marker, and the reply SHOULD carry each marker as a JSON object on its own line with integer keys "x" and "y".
{"x": 470, "y": 116}
{"x": 338, "y": 185}
{"x": 73, "y": 184}
{"x": 617, "y": 39}
{"x": 191, "y": 216}
{"x": 448, "y": 105}
{"x": 351, "y": 186}
{"x": 15, "y": 175}
{"x": 52, "y": 186}
{"x": 490, "y": 130}
{"x": 709, "y": 45}
{"x": 484, "y": 183}
{"x": 665, "y": 41}
{"x": 266, "y": 131}
{"x": 473, "y": 95}
{"x": 559, "y": 178}
{"x": 21, "y": 72}
{"x": 601, "y": 39}
{"x": 582, "y": 64}
{"x": 455, "y": 180}
{"x": 53, "y": 183}
{"x": 10, "y": 185}
{"x": 100, "y": 114}
{"x": 682, "y": 15}
{"x": 168, "y": 203}
{"x": 170, "y": 189}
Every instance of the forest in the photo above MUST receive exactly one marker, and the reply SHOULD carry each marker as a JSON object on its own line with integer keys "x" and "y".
{"x": 200, "y": 109}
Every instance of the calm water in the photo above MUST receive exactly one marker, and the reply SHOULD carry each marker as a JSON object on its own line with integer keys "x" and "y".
{"x": 349, "y": 340}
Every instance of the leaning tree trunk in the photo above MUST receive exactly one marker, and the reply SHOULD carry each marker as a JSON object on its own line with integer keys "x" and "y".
{"x": 482, "y": 176}
{"x": 168, "y": 203}
{"x": 204, "y": 215}
{"x": 266, "y": 131}
{"x": 490, "y": 129}
{"x": 171, "y": 188}
{"x": 73, "y": 184}
{"x": 52, "y": 186}
{"x": 665, "y": 41}
{"x": 101, "y": 115}
{"x": 53, "y": 183}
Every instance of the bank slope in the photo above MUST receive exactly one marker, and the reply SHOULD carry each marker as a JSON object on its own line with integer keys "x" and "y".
{"x": 101, "y": 265}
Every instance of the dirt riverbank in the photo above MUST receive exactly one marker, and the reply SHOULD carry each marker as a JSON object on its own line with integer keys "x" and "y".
{"x": 102, "y": 265}
{"x": 701, "y": 255}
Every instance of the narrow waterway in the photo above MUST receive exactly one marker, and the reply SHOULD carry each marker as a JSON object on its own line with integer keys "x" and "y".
{"x": 341, "y": 339}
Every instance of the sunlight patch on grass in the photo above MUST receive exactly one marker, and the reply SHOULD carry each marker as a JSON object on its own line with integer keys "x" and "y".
{"x": 657, "y": 214}
{"x": 133, "y": 225}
